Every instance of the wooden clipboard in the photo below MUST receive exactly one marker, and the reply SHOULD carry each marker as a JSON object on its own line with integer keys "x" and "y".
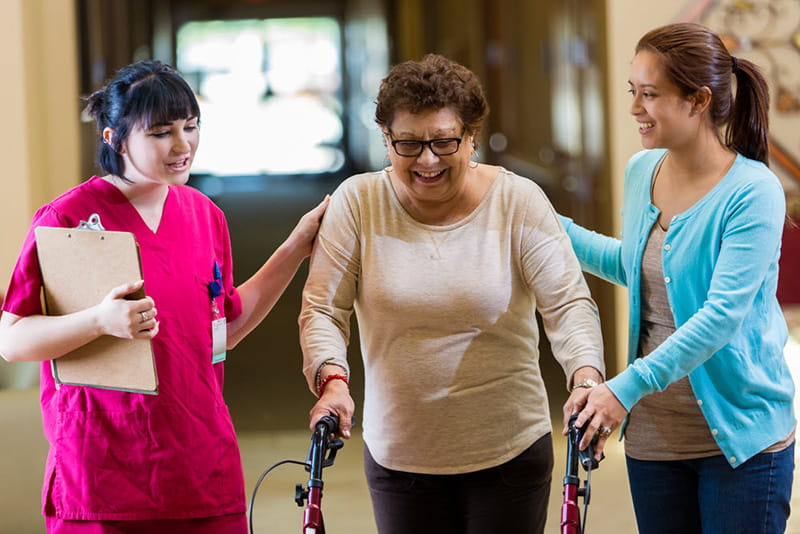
{"x": 79, "y": 267}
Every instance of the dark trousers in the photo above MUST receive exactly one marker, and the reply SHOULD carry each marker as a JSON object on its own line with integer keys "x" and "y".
{"x": 511, "y": 497}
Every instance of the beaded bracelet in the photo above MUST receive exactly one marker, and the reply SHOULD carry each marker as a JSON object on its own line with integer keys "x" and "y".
{"x": 328, "y": 379}
{"x": 318, "y": 376}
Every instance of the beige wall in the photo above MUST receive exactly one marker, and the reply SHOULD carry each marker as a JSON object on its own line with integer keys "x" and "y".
{"x": 39, "y": 146}
{"x": 627, "y": 21}
{"x": 39, "y": 104}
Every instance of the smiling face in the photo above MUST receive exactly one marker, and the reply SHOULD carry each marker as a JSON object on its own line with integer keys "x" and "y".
{"x": 666, "y": 117}
{"x": 428, "y": 179}
{"x": 162, "y": 154}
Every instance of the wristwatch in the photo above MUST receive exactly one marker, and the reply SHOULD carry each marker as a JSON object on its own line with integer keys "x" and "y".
{"x": 585, "y": 383}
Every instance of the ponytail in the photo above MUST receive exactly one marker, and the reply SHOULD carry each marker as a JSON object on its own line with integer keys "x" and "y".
{"x": 749, "y": 122}
{"x": 108, "y": 157}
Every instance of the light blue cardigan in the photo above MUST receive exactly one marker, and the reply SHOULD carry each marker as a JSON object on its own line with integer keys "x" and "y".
{"x": 720, "y": 261}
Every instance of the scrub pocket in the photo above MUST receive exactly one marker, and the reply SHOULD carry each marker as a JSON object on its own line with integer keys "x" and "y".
{"x": 102, "y": 463}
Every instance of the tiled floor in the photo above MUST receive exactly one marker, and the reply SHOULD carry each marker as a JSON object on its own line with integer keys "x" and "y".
{"x": 345, "y": 504}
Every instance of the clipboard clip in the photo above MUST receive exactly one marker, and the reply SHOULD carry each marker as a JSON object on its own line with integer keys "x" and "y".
{"x": 92, "y": 224}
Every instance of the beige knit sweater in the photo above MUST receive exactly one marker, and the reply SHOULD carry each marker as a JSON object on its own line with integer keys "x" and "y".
{"x": 447, "y": 320}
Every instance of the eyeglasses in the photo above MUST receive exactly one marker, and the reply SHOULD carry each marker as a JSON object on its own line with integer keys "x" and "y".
{"x": 411, "y": 148}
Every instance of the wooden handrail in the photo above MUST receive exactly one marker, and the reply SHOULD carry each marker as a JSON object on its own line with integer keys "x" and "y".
{"x": 785, "y": 160}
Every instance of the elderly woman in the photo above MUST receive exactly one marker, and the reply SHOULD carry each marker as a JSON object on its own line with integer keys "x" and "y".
{"x": 446, "y": 262}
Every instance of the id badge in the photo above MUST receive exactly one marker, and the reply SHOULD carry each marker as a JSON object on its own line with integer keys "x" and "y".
{"x": 219, "y": 337}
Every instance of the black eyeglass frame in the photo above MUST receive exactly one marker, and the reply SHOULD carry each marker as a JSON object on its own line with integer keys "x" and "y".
{"x": 422, "y": 144}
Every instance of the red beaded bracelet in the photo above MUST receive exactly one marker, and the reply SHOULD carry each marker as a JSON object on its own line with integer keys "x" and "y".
{"x": 327, "y": 379}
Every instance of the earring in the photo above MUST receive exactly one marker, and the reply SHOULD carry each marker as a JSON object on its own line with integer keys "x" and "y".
{"x": 473, "y": 164}
{"x": 694, "y": 112}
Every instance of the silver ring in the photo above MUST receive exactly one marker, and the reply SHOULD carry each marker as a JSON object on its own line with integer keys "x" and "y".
{"x": 143, "y": 315}
{"x": 604, "y": 431}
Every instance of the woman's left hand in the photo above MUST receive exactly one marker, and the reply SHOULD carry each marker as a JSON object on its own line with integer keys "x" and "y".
{"x": 601, "y": 409}
{"x": 575, "y": 403}
{"x": 579, "y": 392}
{"x": 305, "y": 232}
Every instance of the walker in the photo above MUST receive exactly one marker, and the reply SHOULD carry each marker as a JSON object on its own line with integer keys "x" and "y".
{"x": 322, "y": 453}
{"x": 570, "y": 511}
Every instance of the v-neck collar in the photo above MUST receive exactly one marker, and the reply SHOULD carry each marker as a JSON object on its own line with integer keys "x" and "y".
{"x": 698, "y": 205}
{"x": 135, "y": 218}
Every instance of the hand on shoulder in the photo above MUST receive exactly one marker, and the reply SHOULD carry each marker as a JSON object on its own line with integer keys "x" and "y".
{"x": 304, "y": 233}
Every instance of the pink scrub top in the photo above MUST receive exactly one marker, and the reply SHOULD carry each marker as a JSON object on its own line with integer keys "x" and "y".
{"x": 132, "y": 456}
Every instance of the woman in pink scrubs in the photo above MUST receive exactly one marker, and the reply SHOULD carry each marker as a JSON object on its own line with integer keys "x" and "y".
{"x": 134, "y": 462}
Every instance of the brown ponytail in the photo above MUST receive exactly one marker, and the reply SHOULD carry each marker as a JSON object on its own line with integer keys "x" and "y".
{"x": 749, "y": 123}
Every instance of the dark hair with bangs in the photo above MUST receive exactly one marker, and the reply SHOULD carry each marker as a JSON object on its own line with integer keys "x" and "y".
{"x": 143, "y": 94}
{"x": 434, "y": 82}
{"x": 693, "y": 57}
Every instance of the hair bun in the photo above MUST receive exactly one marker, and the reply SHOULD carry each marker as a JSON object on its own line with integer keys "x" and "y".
{"x": 95, "y": 102}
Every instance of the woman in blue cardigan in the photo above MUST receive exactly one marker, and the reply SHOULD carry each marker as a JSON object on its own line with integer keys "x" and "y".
{"x": 709, "y": 437}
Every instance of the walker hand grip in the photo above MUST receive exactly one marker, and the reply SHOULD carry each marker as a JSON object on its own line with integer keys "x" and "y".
{"x": 329, "y": 424}
{"x": 585, "y": 456}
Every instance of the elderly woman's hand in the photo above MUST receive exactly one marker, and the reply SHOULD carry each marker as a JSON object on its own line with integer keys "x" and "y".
{"x": 335, "y": 400}
{"x": 583, "y": 379}
{"x": 575, "y": 403}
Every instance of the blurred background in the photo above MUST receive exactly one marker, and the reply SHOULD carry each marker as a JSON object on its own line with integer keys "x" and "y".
{"x": 287, "y": 88}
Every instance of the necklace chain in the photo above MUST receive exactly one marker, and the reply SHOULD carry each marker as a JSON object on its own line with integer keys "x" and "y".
{"x": 436, "y": 244}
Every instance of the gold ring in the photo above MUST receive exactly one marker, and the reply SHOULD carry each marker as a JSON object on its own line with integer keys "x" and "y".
{"x": 143, "y": 315}
{"x": 604, "y": 431}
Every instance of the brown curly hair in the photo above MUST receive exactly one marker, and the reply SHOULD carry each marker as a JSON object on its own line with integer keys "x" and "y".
{"x": 434, "y": 82}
